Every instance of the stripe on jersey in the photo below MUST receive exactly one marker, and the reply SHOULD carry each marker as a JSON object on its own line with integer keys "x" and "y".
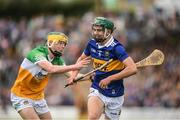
{"x": 32, "y": 68}
{"x": 114, "y": 65}
{"x": 28, "y": 86}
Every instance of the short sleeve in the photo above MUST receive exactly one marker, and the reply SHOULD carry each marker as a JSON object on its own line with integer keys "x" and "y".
{"x": 87, "y": 50}
{"x": 120, "y": 53}
{"x": 36, "y": 56}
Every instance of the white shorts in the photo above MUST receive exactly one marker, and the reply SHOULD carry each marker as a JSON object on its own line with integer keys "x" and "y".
{"x": 113, "y": 105}
{"x": 20, "y": 103}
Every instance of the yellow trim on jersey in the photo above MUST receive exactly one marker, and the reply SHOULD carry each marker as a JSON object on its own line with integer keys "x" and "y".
{"x": 29, "y": 87}
{"x": 114, "y": 65}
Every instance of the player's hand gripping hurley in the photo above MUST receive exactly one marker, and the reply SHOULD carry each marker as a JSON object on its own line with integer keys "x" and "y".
{"x": 155, "y": 58}
{"x": 89, "y": 73}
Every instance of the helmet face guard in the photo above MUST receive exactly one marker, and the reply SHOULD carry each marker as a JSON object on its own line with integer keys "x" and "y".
{"x": 54, "y": 38}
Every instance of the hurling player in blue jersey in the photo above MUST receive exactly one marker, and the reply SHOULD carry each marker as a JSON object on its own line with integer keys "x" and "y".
{"x": 107, "y": 89}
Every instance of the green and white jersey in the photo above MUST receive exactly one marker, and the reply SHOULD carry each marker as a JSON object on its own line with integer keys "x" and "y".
{"x": 32, "y": 79}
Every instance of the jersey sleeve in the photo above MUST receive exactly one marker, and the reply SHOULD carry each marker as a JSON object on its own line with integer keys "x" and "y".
{"x": 36, "y": 56}
{"x": 87, "y": 49}
{"x": 120, "y": 53}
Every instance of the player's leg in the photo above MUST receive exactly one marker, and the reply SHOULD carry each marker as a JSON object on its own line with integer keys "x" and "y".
{"x": 46, "y": 116}
{"x": 24, "y": 107}
{"x": 95, "y": 108}
{"x": 113, "y": 109}
{"x": 42, "y": 109}
{"x": 29, "y": 113}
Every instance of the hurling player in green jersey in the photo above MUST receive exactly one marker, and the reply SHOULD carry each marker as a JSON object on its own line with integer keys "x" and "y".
{"x": 27, "y": 93}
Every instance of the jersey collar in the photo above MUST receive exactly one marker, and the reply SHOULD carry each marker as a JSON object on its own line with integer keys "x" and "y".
{"x": 107, "y": 44}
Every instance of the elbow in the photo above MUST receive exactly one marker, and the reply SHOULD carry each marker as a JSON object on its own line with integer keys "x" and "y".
{"x": 50, "y": 71}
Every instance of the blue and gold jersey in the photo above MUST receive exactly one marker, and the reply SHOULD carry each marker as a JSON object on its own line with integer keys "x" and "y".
{"x": 101, "y": 54}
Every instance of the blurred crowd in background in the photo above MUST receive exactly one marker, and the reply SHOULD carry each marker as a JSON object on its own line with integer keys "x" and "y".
{"x": 139, "y": 31}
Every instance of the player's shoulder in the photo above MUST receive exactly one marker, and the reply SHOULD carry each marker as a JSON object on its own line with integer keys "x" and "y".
{"x": 117, "y": 42}
{"x": 38, "y": 51}
{"x": 40, "y": 48}
{"x": 117, "y": 46}
{"x": 92, "y": 42}
{"x": 114, "y": 43}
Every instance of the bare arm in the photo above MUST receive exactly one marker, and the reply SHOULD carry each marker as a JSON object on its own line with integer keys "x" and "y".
{"x": 75, "y": 72}
{"x": 68, "y": 74}
{"x": 130, "y": 69}
{"x": 49, "y": 67}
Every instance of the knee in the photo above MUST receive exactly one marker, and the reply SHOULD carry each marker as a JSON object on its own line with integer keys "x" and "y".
{"x": 93, "y": 116}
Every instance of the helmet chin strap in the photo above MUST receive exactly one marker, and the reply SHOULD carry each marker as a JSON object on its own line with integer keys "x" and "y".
{"x": 105, "y": 34}
{"x": 55, "y": 53}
